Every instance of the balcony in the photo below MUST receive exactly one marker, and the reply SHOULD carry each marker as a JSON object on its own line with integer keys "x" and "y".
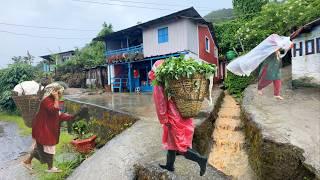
{"x": 125, "y": 55}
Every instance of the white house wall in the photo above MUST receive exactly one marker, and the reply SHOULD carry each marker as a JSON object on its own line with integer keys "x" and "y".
{"x": 177, "y": 40}
{"x": 192, "y": 36}
{"x": 306, "y": 68}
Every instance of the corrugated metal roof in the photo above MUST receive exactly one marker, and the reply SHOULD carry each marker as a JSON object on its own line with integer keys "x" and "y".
{"x": 306, "y": 28}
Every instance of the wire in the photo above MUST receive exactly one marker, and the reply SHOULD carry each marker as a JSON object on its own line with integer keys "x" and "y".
{"x": 124, "y": 5}
{"x": 151, "y": 3}
{"x": 45, "y": 37}
{"x": 45, "y": 27}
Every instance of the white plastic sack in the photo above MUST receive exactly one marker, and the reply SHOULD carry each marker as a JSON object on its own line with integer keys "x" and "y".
{"x": 29, "y": 88}
{"x": 245, "y": 64}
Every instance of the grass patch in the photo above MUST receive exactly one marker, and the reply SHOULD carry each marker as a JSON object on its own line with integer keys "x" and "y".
{"x": 65, "y": 159}
{"x": 23, "y": 129}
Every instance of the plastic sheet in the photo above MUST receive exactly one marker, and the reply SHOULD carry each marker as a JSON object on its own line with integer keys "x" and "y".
{"x": 244, "y": 65}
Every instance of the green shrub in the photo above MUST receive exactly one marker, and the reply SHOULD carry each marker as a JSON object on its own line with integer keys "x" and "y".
{"x": 9, "y": 78}
{"x": 236, "y": 84}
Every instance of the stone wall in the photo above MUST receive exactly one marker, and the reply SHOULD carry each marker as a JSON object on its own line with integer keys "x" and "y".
{"x": 106, "y": 123}
{"x": 270, "y": 159}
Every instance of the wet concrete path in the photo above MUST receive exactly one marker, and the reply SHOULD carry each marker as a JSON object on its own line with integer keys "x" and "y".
{"x": 228, "y": 153}
{"x": 139, "y": 144}
{"x": 13, "y": 147}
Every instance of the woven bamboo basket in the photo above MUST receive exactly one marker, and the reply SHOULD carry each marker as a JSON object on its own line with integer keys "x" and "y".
{"x": 188, "y": 94}
{"x": 28, "y": 105}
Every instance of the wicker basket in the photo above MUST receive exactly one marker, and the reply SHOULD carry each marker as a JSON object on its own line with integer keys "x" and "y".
{"x": 28, "y": 105}
{"x": 188, "y": 94}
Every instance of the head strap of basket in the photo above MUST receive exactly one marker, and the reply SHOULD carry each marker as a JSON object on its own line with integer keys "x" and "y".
{"x": 52, "y": 87}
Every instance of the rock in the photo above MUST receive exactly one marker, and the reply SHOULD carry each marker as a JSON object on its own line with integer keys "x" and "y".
{"x": 185, "y": 169}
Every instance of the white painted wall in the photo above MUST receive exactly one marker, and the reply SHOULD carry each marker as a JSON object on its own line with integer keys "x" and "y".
{"x": 192, "y": 37}
{"x": 307, "y": 66}
{"x": 182, "y": 36}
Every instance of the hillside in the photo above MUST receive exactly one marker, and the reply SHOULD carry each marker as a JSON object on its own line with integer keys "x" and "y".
{"x": 219, "y": 16}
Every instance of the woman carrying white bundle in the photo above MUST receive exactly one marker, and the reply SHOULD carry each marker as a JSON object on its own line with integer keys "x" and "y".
{"x": 46, "y": 127}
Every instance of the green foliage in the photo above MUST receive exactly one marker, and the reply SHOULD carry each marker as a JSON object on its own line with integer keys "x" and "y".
{"x": 247, "y": 8}
{"x": 9, "y": 78}
{"x": 23, "y": 59}
{"x": 81, "y": 129}
{"x": 225, "y": 33}
{"x": 179, "y": 67}
{"x": 90, "y": 55}
{"x": 279, "y": 18}
{"x": 219, "y": 16}
{"x": 236, "y": 84}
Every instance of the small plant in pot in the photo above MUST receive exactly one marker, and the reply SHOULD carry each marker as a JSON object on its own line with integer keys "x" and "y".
{"x": 85, "y": 140}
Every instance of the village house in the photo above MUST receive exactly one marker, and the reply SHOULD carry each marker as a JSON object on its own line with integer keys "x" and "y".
{"x": 51, "y": 60}
{"x": 306, "y": 55}
{"x": 130, "y": 53}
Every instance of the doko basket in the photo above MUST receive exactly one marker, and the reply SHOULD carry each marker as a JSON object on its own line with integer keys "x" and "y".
{"x": 188, "y": 94}
{"x": 28, "y": 105}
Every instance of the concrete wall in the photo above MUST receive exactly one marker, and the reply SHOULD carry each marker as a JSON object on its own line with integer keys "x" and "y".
{"x": 306, "y": 58}
{"x": 105, "y": 123}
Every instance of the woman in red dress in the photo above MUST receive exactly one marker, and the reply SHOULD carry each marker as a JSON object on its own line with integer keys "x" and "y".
{"x": 46, "y": 127}
{"x": 177, "y": 132}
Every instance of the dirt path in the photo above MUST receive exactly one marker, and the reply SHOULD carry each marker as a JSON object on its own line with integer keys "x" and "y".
{"x": 228, "y": 153}
{"x": 13, "y": 147}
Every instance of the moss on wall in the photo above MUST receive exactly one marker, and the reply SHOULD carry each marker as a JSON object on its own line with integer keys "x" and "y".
{"x": 272, "y": 160}
{"x": 202, "y": 140}
{"x": 105, "y": 123}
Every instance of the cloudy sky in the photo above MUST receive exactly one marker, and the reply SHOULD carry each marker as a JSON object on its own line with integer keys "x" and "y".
{"x": 61, "y": 25}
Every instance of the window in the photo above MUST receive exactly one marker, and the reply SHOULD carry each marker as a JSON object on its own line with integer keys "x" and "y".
{"x": 207, "y": 44}
{"x": 162, "y": 35}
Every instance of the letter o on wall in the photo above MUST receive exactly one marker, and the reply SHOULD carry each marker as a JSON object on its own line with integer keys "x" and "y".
{"x": 309, "y": 45}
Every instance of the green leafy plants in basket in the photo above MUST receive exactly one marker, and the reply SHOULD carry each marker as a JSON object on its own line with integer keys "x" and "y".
{"x": 175, "y": 68}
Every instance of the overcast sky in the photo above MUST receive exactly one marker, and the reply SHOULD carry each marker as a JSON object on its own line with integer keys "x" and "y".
{"x": 84, "y": 18}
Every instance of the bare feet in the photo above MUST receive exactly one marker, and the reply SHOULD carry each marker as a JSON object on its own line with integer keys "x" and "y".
{"x": 27, "y": 164}
{"x": 260, "y": 92}
{"x": 279, "y": 97}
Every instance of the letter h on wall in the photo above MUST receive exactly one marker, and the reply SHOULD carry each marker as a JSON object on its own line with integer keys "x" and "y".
{"x": 295, "y": 49}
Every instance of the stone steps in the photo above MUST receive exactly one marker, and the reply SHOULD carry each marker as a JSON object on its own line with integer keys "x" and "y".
{"x": 228, "y": 153}
{"x": 228, "y": 124}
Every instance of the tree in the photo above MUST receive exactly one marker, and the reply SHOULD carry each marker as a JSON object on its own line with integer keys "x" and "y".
{"x": 9, "y": 78}
{"x": 23, "y": 59}
{"x": 106, "y": 29}
{"x": 248, "y": 8}
{"x": 279, "y": 18}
